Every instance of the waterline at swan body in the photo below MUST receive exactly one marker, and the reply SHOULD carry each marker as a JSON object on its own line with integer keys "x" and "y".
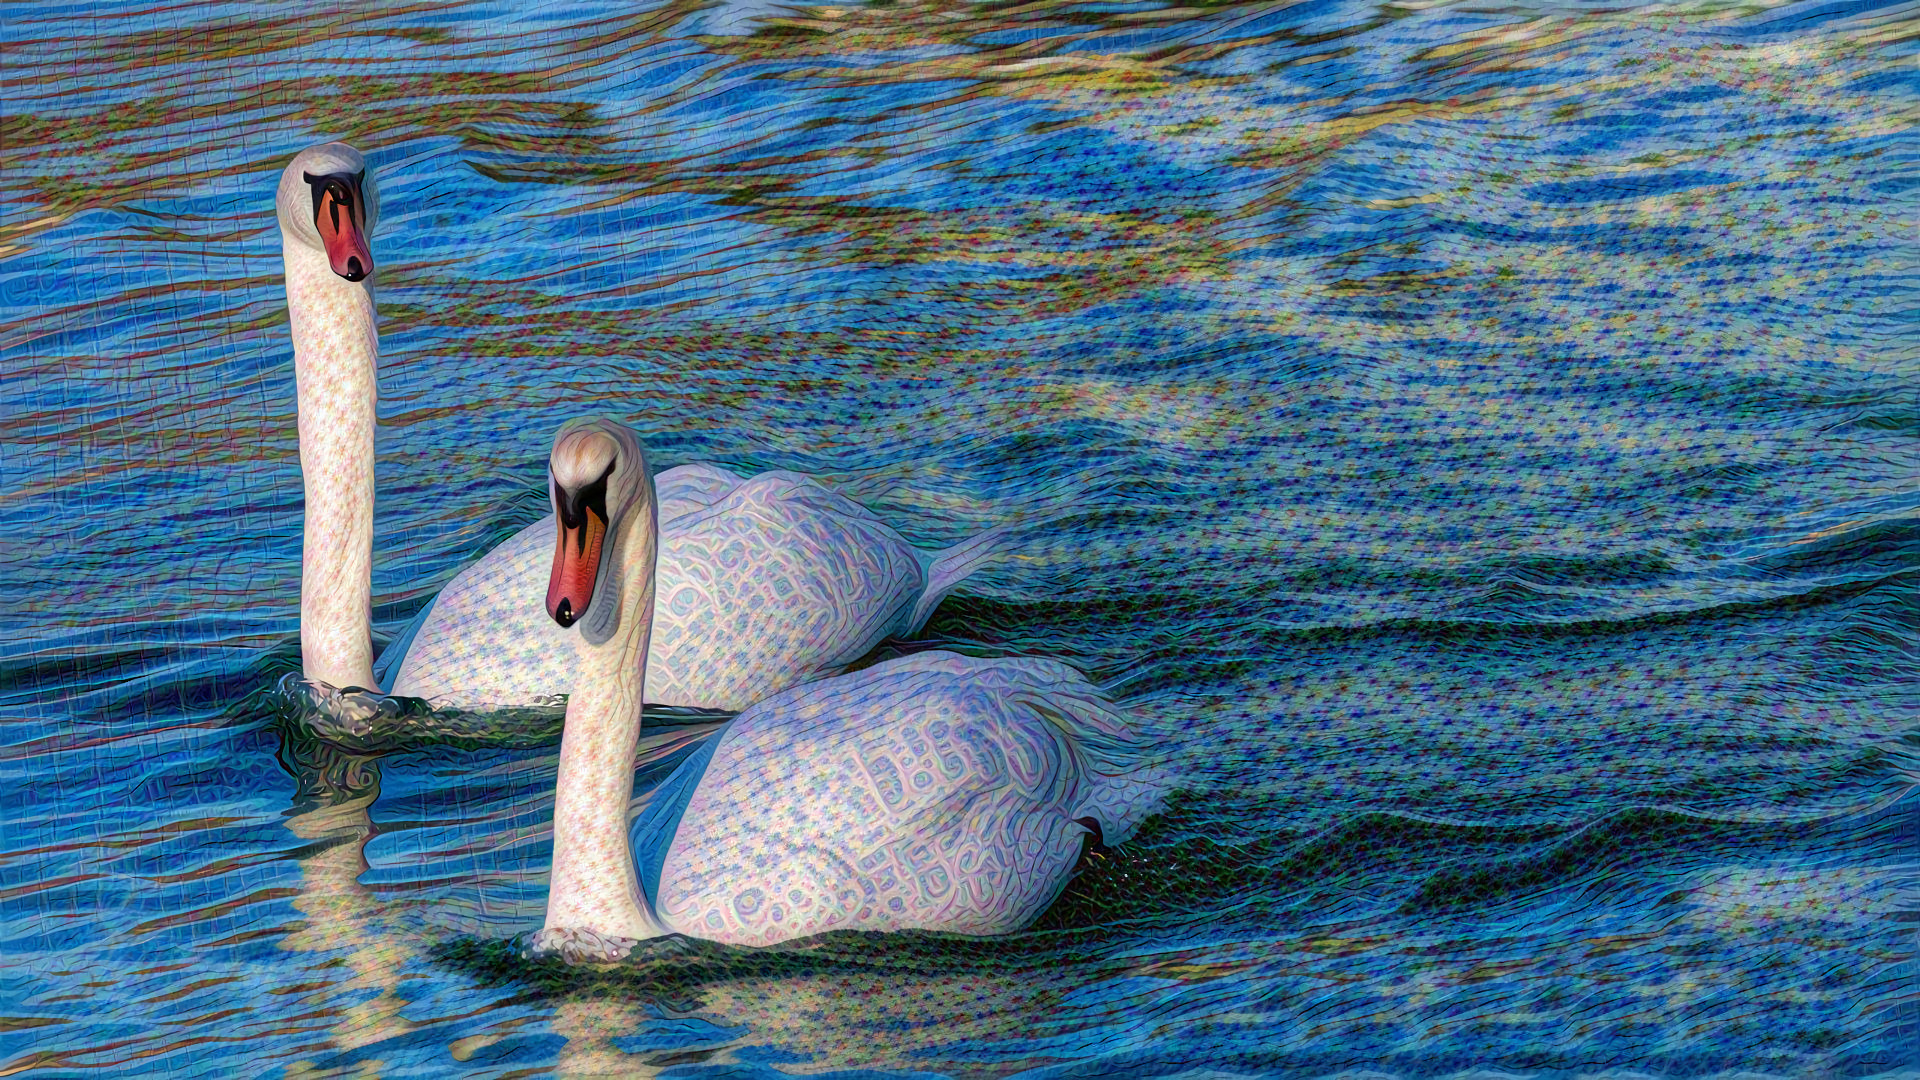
{"x": 935, "y": 791}
{"x": 766, "y": 582}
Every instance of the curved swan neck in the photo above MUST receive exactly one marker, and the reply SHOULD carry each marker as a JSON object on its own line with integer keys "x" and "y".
{"x": 336, "y": 353}
{"x": 594, "y": 883}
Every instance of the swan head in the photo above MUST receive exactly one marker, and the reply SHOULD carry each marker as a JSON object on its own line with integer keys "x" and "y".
{"x": 328, "y": 202}
{"x": 600, "y": 483}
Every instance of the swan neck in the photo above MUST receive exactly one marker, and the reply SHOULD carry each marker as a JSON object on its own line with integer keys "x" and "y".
{"x": 336, "y": 352}
{"x": 594, "y": 882}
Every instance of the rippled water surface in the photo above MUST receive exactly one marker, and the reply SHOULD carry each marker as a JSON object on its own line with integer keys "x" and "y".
{"x": 1478, "y": 441}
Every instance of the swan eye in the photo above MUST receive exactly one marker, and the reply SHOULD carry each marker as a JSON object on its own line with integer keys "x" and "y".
{"x": 333, "y": 191}
{"x": 574, "y": 504}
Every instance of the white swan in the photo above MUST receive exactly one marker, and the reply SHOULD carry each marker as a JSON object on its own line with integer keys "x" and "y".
{"x": 764, "y": 582}
{"x": 935, "y": 791}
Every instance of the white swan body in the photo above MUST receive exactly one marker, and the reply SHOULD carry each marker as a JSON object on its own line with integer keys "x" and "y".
{"x": 765, "y": 582}
{"x": 935, "y": 791}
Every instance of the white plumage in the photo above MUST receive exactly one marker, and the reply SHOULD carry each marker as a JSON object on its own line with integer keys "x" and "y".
{"x": 934, "y": 791}
{"x": 766, "y": 582}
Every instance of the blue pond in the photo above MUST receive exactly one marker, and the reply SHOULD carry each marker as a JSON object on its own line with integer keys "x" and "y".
{"x": 1477, "y": 441}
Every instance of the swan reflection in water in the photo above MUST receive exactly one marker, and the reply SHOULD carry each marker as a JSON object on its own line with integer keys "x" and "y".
{"x": 334, "y": 795}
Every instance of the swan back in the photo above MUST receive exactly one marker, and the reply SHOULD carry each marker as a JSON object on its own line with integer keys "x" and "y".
{"x": 763, "y": 583}
{"x": 936, "y": 791}
{"x": 779, "y": 582}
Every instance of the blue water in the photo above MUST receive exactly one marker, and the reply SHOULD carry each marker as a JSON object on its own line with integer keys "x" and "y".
{"x": 1479, "y": 442}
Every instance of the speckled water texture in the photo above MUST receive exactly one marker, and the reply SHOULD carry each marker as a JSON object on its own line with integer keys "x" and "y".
{"x": 1479, "y": 442}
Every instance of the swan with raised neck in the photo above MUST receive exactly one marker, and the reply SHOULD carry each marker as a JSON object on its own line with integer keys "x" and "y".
{"x": 328, "y": 206}
{"x": 830, "y": 579}
{"x": 603, "y": 569}
{"x": 933, "y": 791}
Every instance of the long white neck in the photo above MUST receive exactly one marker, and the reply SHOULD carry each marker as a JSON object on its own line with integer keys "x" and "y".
{"x": 593, "y": 885}
{"x": 336, "y": 351}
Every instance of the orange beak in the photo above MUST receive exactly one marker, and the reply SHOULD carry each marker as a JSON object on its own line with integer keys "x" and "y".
{"x": 340, "y": 215}
{"x": 576, "y": 561}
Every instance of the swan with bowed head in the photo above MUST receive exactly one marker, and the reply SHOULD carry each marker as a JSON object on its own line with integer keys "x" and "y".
{"x": 934, "y": 791}
{"x": 763, "y": 583}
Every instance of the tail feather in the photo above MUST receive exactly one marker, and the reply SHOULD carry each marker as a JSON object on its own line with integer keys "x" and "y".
{"x": 952, "y": 566}
{"x": 1123, "y": 776}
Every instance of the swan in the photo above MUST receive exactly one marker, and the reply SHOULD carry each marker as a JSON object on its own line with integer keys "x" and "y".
{"x": 764, "y": 582}
{"x": 934, "y": 791}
